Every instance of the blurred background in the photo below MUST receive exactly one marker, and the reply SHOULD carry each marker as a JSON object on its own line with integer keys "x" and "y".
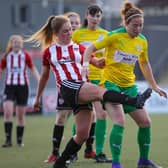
{"x": 25, "y": 17}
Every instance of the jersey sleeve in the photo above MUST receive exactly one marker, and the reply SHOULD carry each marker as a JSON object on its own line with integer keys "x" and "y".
{"x": 144, "y": 55}
{"x": 45, "y": 58}
{"x": 29, "y": 61}
{"x": 3, "y": 62}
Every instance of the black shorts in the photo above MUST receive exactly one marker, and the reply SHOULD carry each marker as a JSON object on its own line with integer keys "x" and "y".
{"x": 69, "y": 92}
{"x": 61, "y": 104}
{"x": 17, "y": 93}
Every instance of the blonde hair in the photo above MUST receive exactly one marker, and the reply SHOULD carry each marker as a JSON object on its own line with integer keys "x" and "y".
{"x": 9, "y": 44}
{"x": 47, "y": 33}
{"x": 128, "y": 11}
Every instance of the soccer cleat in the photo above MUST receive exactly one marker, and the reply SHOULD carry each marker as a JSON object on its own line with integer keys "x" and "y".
{"x": 143, "y": 97}
{"x": 73, "y": 158}
{"x": 101, "y": 158}
{"x": 51, "y": 158}
{"x": 89, "y": 154}
{"x": 59, "y": 164}
{"x": 145, "y": 163}
{"x": 7, "y": 144}
{"x": 116, "y": 165}
{"x": 20, "y": 144}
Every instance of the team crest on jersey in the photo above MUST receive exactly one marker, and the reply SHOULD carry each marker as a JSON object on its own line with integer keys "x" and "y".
{"x": 138, "y": 47}
{"x": 100, "y": 38}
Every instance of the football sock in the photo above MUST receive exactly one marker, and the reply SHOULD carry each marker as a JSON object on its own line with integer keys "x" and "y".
{"x": 100, "y": 135}
{"x": 119, "y": 97}
{"x": 116, "y": 137}
{"x": 8, "y": 130}
{"x": 144, "y": 140}
{"x": 57, "y": 137}
{"x": 71, "y": 148}
{"x": 90, "y": 140}
{"x": 19, "y": 134}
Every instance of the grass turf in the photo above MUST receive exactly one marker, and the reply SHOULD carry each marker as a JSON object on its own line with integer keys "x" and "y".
{"x": 37, "y": 140}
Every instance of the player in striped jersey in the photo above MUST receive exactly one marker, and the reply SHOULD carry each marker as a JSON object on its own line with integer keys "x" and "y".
{"x": 63, "y": 109}
{"x": 65, "y": 58}
{"x": 16, "y": 62}
{"x": 123, "y": 47}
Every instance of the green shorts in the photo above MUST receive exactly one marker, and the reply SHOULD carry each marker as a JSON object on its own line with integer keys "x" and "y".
{"x": 131, "y": 91}
{"x": 96, "y": 82}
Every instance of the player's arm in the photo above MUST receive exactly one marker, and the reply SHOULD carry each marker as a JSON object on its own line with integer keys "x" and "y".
{"x": 87, "y": 56}
{"x": 42, "y": 83}
{"x": 148, "y": 74}
{"x": 35, "y": 73}
{"x": 98, "y": 62}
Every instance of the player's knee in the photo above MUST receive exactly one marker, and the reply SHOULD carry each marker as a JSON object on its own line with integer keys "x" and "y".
{"x": 101, "y": 116}
{"x": 145, "y": 123}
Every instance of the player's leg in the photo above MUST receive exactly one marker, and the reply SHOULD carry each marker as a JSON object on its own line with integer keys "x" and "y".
{"x": 100, "y": 136}
{"x": 89, "y": 151}
{"x": 58, "y": 130}
{"x": 21, "y": 102}
{"x": 8, "y": 108}
{"x": 83, "y": 124}
{"x": 142, "y": 118}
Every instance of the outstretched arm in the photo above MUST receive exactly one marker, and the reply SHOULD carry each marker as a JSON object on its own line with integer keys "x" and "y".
{"x": 148, "y": 74}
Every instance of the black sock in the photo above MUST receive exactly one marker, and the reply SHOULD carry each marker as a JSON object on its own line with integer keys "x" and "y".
{"x": 8, "y": 131}
{"x": 19, "y": 134}
{"x": 119, "y": 97}
{"x": 71, "y": 148}
{"x": 90, "y": 140}
{"x": 57, "y": 137}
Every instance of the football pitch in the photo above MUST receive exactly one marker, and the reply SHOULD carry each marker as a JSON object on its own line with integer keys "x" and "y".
{"x": 37, "y": 140}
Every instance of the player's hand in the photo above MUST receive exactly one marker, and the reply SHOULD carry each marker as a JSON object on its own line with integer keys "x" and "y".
{"x": 161, "y": 92}
{"x": 36, "y": 105}
{"x": 100, "y": 63}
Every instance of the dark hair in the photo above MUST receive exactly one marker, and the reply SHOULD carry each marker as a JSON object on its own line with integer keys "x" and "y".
{"x": 92, "y": 10}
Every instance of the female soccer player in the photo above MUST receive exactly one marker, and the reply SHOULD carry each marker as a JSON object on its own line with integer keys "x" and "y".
{"x": 88, "y": 33}
{"x": 16, "y": 62}
{"x": 123, "y": 47}
{"x": 63, "y": 109}
{"x": 65, "y": 58}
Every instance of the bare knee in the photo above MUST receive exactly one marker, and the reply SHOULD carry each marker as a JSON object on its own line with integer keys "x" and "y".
{"x": 61, "y": 117}
{"x": 146, "y": 122}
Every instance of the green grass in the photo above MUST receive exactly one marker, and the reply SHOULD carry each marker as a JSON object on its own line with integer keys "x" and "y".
{"x": 37, "y": 140}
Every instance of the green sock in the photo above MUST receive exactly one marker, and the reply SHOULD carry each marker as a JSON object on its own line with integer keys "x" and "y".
{"x": 73, "y": 129}
{"x": 144, "y": 140}
{"x": 116, "y": 137}
{"x": 100, "y": 133}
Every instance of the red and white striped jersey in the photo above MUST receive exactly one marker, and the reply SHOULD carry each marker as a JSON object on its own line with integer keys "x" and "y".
{"x": 16, "y": 67}
{"x": 66, "y": 61}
